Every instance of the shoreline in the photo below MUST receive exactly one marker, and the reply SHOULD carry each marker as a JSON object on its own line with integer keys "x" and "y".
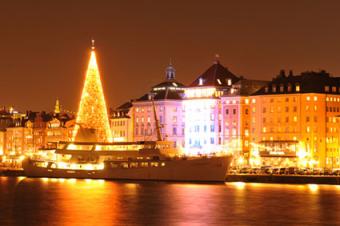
{"x": 247, "y": 178}
{"x": 284, "y": 179}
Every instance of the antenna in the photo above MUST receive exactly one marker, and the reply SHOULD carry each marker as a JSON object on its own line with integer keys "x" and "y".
{"x": 92, "y": 44}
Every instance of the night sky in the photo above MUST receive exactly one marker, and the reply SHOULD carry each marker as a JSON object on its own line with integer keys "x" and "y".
{"x": 45, "y": 44}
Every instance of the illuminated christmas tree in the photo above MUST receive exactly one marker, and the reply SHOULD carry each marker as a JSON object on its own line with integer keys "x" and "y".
{"x": 92, "y": 113}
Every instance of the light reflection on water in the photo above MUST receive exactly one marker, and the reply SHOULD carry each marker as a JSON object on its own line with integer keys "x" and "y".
{"x": 26, "y": 201}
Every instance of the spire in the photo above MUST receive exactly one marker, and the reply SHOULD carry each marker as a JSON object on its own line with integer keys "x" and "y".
{"x": 57, "y": 107}
{"x": 92, "y": 113}
{"x": 92, "y": 44}
{"x": 217, "y": 59}
{"x": 170, "y": 71}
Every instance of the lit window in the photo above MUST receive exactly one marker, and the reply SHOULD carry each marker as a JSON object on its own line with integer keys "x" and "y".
{"x": 315, "y": 98}
{"x": 219, "y": 81}
{"x": 289, "y": 88}
{"x": 200, "y": 81}
{"x": 253, "y": 101}
{"x": 297, "y": 87}
{"x": 229, "y": 82}
{"x": 308, "y": 98}
{"x": 274, "y": 88}
{"x": 326, "y": 88}
{"x": 281, "y": 88}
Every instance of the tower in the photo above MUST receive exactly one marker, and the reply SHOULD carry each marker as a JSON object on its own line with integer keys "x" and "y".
{"x": 170, "y": 72}
{"x": 57, "y": 107}
{"x": 92, "y": 113}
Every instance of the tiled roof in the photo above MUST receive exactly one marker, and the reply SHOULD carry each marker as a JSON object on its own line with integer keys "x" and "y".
{"x": 308, "y": 82}
{"x": 216, "y": 75}
{"x": 162, "y": 95}
{"x": 169, "y": 83}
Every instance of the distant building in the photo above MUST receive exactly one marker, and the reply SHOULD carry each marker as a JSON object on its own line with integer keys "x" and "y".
{"x": 217, "y": 112}
{"x": 167, "y": 99}
{"x": 121, "y": 123}
{"x": 27, "y": 133}
{"x": 203, "y": 109}
{"x": 295, "y": 120}
{"x": 235, "y": 116}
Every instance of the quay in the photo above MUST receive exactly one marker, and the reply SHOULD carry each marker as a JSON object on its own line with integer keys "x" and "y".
{"x": 17, "y": 172}
{"x": 284, "y": 179}
{"x": 251, "y": 178}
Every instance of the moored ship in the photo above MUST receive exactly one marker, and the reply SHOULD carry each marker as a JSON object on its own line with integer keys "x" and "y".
{"x": 146, "y": 160}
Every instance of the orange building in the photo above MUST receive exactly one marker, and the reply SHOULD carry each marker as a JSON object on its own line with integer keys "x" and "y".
{"x": 295, "y": 121}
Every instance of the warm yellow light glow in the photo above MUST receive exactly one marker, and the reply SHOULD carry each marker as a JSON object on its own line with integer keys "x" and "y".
{"x": 313, "y": 188}
{"x": 92, "y": 113}
{"x": 239, "y": 185}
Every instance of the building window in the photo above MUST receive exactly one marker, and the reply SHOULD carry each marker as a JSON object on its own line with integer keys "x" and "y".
{"x": 326, "y": 88}
{"x": 246, "y": 111}
{"x": 266, "y": 89}
{"x": 264, "y": 110}
{"x": 281, "y": 88}
{"x": 234, "y": 111}
{"x": 212, "y": 128}
{"x": 334, "y": 89}
{"x": 212, "y": 141}
{"x": 274, "y": 88}
{"x": 289, "y": 88}
{"x": 227, "y": 111}
{"x": 229, "y": 82}
{"x": 200, "y": 81}
{"x": 174, "y": 131}
{"x": 297, "y": 87}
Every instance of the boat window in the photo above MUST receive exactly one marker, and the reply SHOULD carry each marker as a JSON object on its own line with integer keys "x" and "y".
{"x": 114, "y": 165}
{"x": 82, "y": 147}
{"x": 124, "y": 165}
{"x": 144, "y": 164}
{"x": 154, "y": 164}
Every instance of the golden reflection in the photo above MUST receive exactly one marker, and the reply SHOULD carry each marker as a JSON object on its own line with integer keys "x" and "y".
{"x": 239, "y": 185}
{"x": 314, "y": 188}
{"x": 44, "y": 179}
{"x": 84, "y": 195}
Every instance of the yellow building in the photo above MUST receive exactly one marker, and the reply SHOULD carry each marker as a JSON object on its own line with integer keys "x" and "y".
{"x": 294, "y": 121}
{"x": 121, "y": 123}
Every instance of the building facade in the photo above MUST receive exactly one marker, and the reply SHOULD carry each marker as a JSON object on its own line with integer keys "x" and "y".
{"x": 295, "y": 121}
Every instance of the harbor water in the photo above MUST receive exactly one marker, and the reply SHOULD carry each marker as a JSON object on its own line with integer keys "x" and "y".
{"x": 43, "y": 201}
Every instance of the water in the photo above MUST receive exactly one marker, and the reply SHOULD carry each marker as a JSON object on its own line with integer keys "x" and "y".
{"x": 26, "y": 201}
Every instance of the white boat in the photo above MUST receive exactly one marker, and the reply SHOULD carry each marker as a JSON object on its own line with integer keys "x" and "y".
{"x": 147, "y": 160}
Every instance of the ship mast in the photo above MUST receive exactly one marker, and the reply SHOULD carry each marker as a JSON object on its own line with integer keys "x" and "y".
{"x": 158, "y": 127}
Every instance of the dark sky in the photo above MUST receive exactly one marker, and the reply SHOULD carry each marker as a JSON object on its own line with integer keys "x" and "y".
{"x": 45, "y": 44}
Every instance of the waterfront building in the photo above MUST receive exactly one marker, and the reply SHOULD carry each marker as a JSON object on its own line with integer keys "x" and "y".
{"x": 121, "y": 123}
{"x": 295, "y": 121}
{"x": 235, "y": 118}
{"x": 166, "y": 99}
{"x": 203, "y": 109}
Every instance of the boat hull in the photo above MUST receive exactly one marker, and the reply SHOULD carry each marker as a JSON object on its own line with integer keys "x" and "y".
{"x": 212, "y": 169}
